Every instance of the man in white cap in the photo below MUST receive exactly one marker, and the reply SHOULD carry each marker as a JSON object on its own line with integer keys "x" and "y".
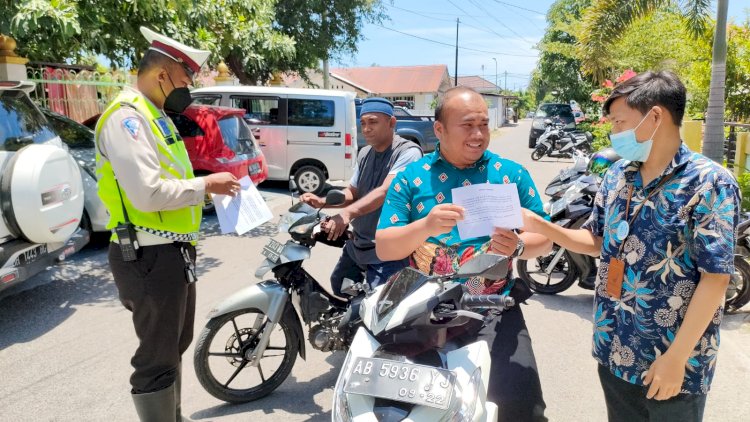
{"x": 154, "y": 201}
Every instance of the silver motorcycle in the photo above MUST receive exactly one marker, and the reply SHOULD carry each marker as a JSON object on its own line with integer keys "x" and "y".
{"x": 252, "y": 338}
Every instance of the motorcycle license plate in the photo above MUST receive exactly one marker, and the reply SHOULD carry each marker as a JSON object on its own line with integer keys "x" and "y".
{"x": 272, "y": 251}
{"x": 400, "y": 381}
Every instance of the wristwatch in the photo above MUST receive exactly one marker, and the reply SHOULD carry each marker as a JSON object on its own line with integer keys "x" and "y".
{"x": 519, "y": 249}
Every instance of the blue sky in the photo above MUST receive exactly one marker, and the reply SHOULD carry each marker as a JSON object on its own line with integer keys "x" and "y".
{"x": 507, "y": 30}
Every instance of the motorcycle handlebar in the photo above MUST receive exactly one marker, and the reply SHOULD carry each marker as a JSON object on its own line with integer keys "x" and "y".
{"x": 500, "y": 302}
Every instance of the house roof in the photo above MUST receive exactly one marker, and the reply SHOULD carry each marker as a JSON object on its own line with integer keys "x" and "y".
{"x": 476, "y": 82}
{"x": 383, "y": 80}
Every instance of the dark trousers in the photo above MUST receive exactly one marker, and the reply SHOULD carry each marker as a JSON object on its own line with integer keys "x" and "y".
{"x": 375, "y": 274}
{"x": 154, "y": 288}
{"x": 627, "y": 402}
{"x": 514, "y": 384}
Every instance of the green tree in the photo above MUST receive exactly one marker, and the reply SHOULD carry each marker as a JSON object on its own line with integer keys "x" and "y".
{"x": 254, "y": 37}
{"x": 559, "y": 68}
{"x": 603, "y": 25}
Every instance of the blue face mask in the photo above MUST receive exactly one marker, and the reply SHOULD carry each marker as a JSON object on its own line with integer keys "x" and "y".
{"x": 627, "y": 146}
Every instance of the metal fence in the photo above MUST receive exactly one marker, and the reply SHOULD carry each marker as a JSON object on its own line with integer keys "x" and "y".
{"x": 78, "y": 94}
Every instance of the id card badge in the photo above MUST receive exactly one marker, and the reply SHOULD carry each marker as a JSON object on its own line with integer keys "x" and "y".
{"x": 615, "y": 278}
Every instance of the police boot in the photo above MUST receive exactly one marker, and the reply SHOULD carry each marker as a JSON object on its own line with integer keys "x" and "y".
{"x": 158, "y": 406}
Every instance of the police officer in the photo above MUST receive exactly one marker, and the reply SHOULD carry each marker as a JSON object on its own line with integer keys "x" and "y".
{"x": 154, "y": 201}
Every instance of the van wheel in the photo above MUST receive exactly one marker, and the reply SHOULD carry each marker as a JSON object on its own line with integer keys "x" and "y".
{"x": 310, "y": 179}
{"x": 532, "y": 142}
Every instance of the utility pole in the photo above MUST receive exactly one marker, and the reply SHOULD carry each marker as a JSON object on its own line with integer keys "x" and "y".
{"x": 496, "y": 73}
{"x": 455, "y": 75}
{"x": 506, "y": 81}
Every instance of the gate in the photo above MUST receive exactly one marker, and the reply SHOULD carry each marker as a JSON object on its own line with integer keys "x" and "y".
{"x": 78, "y": 94}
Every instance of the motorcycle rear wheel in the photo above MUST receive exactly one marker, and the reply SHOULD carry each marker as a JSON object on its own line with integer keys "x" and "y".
{"x": 538, "y": 153}
{"x": 738, "y": 292}
{"x": 220, "y": 357}
{"x": 561, "y": 278}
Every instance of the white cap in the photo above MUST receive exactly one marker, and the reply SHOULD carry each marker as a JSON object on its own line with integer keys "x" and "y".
{"x": 191, "y": 58}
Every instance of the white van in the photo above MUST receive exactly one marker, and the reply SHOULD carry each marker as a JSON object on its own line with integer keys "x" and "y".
{"x": 307, "y": 134}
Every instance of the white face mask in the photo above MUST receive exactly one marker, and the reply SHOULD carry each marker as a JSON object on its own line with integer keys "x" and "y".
{"x": 627, "y": 146}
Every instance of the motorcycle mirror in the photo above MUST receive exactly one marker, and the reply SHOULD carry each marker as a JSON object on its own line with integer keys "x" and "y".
{"x": 335, "y": 197}
{"x": 490, "y": 266}
{"x": 293, "y": 186}
{"x": 547, "y": 121}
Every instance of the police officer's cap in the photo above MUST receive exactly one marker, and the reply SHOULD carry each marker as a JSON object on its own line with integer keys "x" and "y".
{"x": 190, "y": 58}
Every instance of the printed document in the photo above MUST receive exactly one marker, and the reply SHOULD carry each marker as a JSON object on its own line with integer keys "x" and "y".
{"x": 243, "y": 212}
{"x": 487, "y": 206}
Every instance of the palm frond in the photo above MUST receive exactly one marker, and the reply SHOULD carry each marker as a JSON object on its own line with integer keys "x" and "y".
{"x": 696, "y": 15}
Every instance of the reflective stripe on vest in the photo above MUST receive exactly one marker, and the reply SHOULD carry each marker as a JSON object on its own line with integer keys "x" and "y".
{"x": 178, "y": 225}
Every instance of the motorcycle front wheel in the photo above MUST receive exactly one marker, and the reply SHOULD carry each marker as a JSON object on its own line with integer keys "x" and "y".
{"x": 738, "y": 291}
{"x": 538, "y": 153}
{"x": 559, "y": 279}
{"x": 225, "y": 346}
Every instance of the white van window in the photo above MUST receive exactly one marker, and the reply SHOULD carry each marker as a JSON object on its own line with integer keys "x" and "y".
{"x": 311, "y": 112}
{"x": 258, "y": 111}
{"x": 212, "y": 100}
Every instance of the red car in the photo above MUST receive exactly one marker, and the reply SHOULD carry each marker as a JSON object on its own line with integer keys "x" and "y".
{"x": 218, "y": 139}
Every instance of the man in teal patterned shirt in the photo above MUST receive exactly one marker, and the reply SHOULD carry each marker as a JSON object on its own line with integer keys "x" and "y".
{"x": 418, "y": 221}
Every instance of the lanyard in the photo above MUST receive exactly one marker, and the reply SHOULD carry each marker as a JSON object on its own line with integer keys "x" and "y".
{"x": 637, "y": 211}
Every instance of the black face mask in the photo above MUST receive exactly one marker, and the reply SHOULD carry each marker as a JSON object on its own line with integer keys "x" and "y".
{"x": 177, "y": 100}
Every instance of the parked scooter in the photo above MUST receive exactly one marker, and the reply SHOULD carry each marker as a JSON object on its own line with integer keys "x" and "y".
{"x": 555, "y": 142}
{"x": 403, "y": 365}
{"x": 252, "y": 338}
{"x": 558, "y": 270}
{"x": 738, "y": 291}
{"x": 560, "y": 183}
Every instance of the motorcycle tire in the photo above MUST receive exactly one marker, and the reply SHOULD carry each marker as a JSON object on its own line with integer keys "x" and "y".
{"x": 536, "y": 279}
{"x": 231, "y": 354}
{"x": 741, "y": 295}
{"x": 538, "y": 153}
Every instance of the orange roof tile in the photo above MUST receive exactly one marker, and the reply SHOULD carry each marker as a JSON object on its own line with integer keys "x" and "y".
{"x": 476, "y": 82}
{"x": 383, "y": 80}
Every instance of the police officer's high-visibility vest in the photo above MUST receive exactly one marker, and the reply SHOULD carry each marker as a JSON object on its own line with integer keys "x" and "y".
{"x": 178, "y": 225}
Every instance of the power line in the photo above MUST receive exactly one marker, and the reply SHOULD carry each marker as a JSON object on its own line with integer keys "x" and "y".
{"x": 453, "y": 45}
{"x": 480, "y": 7}
{"x": 433, "y": 13}
{"x": 423, "y": 15}
{"x": 519, "y": 7}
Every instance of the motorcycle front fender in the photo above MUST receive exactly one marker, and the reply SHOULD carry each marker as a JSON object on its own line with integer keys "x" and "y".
{"x": 268, "y": 297}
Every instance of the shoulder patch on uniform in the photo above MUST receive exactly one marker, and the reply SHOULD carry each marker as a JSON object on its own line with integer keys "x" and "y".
{"x": 163, "y": 126}
{"x": 132, "y": 125}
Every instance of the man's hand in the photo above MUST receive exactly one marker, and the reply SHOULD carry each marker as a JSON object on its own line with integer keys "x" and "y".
{"x": 223, "y": 183}
{"x": 336, "y": 225}
{"x": 665, "y": 376}
{"x": 313, "y": 200}
{"x": 503, "y": 242}
{"x": 532, "y": 222}
{"x": 443, "y": 218}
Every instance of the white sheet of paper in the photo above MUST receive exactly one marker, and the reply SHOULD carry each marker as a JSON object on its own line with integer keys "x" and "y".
{"x": 243, "y": 212}
{"x": 487, "y": 206}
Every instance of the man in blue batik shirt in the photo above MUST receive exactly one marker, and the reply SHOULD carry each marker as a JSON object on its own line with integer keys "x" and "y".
{"x": 418, "y": 221}
{"x": 664, "y": 224}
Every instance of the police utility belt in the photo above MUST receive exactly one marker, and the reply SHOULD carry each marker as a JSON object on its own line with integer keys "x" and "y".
{"x": 127, "y": 239}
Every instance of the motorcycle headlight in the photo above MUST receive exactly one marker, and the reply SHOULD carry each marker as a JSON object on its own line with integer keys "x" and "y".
{"x": 341, "y": 411}
{"x": 464, "y": 405}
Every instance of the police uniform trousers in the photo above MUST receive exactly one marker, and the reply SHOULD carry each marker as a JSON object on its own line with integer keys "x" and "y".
{"x": 155, "y": 289}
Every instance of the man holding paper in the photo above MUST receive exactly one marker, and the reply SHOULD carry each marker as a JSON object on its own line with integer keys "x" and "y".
{"x": 420, "y": 220}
